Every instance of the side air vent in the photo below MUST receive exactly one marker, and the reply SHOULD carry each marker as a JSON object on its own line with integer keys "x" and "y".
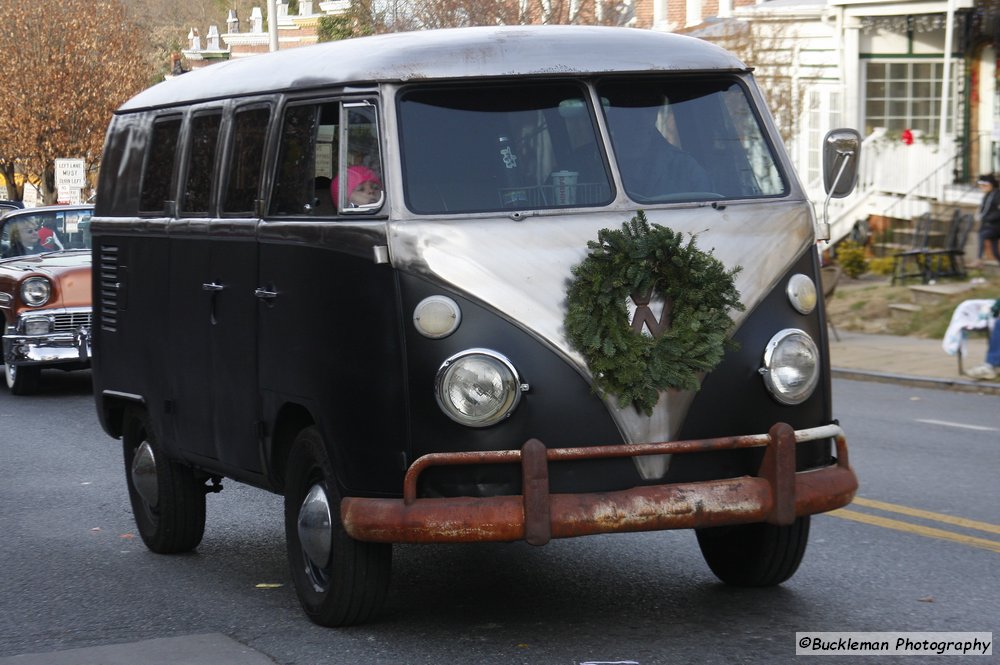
{"x": 110, "y": 287}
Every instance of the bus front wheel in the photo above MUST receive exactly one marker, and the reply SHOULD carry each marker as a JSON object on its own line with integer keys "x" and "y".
{"x": 339, "y": 581}
{"x": 754, "y": 555}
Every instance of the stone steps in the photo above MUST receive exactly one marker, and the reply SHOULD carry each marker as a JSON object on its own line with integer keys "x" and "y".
{"x": 902, "y": 310}
{"x": 933, "y": 294}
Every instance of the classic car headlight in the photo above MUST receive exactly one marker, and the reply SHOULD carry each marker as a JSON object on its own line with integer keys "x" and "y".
{"x": 35, "y": 291}
{"x": 802, "y": 293}
{"x": 477, "y": 387}
{"x": 791, "y": 366}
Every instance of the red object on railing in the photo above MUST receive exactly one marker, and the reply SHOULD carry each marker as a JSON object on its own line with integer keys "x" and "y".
{"x": 907, "y": 137}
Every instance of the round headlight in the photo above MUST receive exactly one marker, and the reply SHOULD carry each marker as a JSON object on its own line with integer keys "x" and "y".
{"x": 791, "y": 366}
{"x": 802, "y": 293}
{"x": 437, "y": 317}
{"x": 477, "y": 387}
{"x": 35, "y": 291}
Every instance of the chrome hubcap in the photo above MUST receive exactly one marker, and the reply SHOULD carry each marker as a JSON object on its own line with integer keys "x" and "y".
{"x": 144, "y": 474}
{"x": 315, "y": 527}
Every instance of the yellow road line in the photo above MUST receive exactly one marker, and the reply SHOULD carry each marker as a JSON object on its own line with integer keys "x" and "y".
{"x": 927, "y": 531}
{"x": 928, "y": 515}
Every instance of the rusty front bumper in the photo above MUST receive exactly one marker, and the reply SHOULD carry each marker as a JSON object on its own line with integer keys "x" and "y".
{"x": 777, "y": 495}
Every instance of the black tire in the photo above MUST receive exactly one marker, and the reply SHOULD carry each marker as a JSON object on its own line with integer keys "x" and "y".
{"x": 22, "y": 380}
{"x": 755, "y": 555}
{"x": 350, "y": 585}
{"x": 171, "y": 516}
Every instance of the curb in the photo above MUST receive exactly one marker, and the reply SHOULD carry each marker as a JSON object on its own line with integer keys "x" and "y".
{"x": 961, "y": 385}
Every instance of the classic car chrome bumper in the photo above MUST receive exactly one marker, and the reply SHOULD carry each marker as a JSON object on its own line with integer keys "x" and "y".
{"x": 52, "y": 348}
{"x": 777, "y": 495}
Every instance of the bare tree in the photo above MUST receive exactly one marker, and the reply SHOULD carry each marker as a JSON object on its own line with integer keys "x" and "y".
{"x": 165, "y": 23}
{"x": 768, "y": 47}
{"x": 75, "y": 61}
{"x": 377, "y": 16}
{"x": 459, "y": 13}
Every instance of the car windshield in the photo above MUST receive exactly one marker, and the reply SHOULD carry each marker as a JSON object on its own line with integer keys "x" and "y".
{"x": 44, "y": 231}
{"x": 480, "y": 148}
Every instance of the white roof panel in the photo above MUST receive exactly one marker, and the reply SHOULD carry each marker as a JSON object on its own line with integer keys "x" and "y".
{"x": 443, "y": 54}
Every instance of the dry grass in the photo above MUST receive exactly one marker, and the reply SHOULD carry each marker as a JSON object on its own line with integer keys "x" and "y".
{"x": 863, "y": 305}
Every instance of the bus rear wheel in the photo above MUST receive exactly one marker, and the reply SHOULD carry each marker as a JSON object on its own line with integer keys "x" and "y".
{"x": 339, "y": 581}
{"x": 754, "y": 555}
{"x": 168, "y": 502}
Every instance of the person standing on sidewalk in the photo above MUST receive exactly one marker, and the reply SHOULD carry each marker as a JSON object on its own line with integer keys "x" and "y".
{"x": 991, "y": 368}
{"x": 989, "y": 215}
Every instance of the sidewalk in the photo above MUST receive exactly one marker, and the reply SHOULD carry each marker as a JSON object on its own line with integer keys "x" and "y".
{"x": 906, "y": 360}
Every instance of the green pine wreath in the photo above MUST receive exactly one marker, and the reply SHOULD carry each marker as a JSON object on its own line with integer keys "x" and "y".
{"x": 643, "y": 258}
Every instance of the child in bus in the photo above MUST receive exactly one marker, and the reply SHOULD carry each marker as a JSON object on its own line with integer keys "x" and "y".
{"x": 363, "y": 187}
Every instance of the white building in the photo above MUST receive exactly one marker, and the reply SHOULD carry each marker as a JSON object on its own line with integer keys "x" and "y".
{"x": 930, "y": 122}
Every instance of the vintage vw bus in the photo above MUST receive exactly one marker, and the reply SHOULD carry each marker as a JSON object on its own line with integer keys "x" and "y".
{"x": 441, "y": 287}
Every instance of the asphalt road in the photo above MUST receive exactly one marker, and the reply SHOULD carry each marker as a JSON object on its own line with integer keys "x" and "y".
{"x": 75, "y": 576}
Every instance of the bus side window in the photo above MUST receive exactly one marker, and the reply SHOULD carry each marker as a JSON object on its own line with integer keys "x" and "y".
{"x": 361, "y": 171}
{"x": 157, "y": 178}
{"x": 204, "y": 137}
{"x": 246, "y": 159}
{"x": 302, "y": 161}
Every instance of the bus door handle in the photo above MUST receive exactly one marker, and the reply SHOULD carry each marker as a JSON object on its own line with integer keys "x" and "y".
{"x": 214, "y": 288}
{"x": 265, "y": 294}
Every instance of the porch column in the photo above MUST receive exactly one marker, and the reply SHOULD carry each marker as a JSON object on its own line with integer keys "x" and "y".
{"x": 949, "y": 35}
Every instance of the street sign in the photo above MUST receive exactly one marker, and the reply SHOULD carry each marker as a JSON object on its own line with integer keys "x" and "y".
{"x": 29, "y": 196}
{"x": 69, "y": 195}
{"x": 70, "y": 173}
{"x": 71, "y": 178}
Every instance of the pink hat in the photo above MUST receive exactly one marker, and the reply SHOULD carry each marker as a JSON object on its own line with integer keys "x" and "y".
{"x": 355, "y": 176}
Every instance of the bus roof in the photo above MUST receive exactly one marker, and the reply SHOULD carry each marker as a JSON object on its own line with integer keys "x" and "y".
{"x": 443, "y": 54}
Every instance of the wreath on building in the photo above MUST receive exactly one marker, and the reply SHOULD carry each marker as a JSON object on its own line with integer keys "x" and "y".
{"x": 638, "y": 261}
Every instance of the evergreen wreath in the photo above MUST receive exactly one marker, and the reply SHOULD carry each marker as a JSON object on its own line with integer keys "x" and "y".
{"x": 641, "y": 259}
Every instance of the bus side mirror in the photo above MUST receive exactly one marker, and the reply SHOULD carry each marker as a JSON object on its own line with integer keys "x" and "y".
{"x": 841, "y": 153}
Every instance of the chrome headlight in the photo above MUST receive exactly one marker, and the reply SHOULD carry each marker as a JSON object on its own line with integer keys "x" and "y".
{"x": 801, "y": 293}
{"x": 791, "y": 366}
{"x": 477, "y": 387}
{"x": 36, "y": 291}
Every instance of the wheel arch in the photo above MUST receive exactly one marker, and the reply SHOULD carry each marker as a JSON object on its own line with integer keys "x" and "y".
{"x": 112, "y": 409}
{"x": 291, "y": 419}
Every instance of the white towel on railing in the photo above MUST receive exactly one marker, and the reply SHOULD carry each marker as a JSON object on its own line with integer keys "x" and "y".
{"x": 969, "y": 315}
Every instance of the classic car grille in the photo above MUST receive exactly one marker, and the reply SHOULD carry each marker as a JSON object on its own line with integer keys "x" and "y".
{"x": 70, "y": 322}
{"x": 108, "y": 276}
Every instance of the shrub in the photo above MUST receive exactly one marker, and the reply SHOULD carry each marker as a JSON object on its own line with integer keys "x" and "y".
{"x": 851, "y": 257}
{"x": 881, "y": 265}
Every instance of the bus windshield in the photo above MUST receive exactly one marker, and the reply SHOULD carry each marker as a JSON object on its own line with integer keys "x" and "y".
{"x": 482, "y": 148}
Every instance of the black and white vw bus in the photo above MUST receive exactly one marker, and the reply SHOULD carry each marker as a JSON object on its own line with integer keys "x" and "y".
{"x": 486, "y": 284}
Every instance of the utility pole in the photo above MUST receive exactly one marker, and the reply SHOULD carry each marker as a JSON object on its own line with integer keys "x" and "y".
{"x": 272, "y": 25}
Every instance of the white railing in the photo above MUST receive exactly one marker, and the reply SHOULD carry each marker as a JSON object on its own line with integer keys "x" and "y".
{"x": 895, "y": 180}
